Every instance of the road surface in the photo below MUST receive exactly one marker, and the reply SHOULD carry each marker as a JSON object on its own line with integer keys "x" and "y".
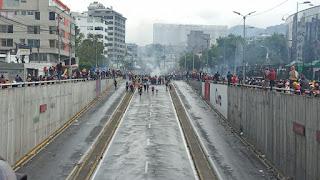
{"x": 148, "y": 143}
{"x": 229, "y": 155}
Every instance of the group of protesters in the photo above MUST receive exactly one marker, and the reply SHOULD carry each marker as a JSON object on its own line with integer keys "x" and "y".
{"x": 295, "y": 83}
{"x": 60, "y": 72}
{"x": 143, "y": 83}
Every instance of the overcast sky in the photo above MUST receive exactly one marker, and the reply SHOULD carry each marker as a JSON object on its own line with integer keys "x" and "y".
{"x": 141, "y": 14}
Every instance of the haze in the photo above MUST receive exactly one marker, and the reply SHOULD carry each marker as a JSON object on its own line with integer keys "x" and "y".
{"x": 142, "y": 14}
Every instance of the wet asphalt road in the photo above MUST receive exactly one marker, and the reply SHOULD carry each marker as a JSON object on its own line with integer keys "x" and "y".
{"x": 232, "y": 158}
{"x": 57, "y": 160}
{"x": 148, "y": 143}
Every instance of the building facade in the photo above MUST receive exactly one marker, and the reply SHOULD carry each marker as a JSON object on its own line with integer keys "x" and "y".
{"x": 108, "y": 23}
{"x": 176, "y": 34}
{"x": 303, "y": 35}
{"x": 198, "y": 41}
{"x": 36, "y": 31}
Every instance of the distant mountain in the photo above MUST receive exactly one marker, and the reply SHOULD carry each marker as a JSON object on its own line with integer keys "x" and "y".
{"x": 254, "y": 31}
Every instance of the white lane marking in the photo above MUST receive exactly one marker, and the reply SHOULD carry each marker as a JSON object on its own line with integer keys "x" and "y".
{"x": 146, "y": 167}
{"x": 184, "y": 141}
{"x": 215, "y": 168}
{"x": 114, "y": 135}
{"x": 148, "y": 142}
{"x": 149, "y": 126}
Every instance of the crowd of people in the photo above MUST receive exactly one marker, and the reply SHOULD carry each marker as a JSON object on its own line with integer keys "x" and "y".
{"x": 146, "y": 82}
{"x": 295, "y": 83}
{"x": 60, "y": 72}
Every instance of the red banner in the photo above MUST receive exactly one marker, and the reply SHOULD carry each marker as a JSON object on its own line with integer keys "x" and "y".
{"x": 318, "y": 136}
{"x": 207, "y": 91}
{"x": 1, "y": 4}
{"x": 299, "y": 129}
{"x": 43, "y": 108}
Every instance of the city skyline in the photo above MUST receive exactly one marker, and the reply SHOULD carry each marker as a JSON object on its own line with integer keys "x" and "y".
{"x": 142, "y": 14}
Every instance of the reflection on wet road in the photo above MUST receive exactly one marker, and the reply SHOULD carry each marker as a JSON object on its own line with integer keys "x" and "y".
{"x": 232, "y": 159}
{"x": 148, "y": 143}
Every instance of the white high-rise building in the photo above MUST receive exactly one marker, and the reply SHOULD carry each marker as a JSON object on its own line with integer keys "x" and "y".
{"x": 109, "y": 25}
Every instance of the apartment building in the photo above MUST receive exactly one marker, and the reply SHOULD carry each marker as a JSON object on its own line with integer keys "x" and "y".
{"x": 36, "y": 31}
{"x": 108, "y": 25}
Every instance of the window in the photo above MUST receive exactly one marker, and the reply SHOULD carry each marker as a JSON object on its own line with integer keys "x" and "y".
{"x": 35, "y": 43}
{"x": 6, "y": 42}
{"x": 109, "y": 17}
{"x": 52, "y": 43}
{"x": 52, "y": 16}
{"x": 52, "y": 30}
{"x": 23, "y": 1}
{"x": 99, "y": 36}
{"x": 37, "y": 15}
{"x": 110, "y": 34}
{"x": 6, "y": 28}
{"x": 33, "y": 29}
{"x": 98, "y": 28}
{"x": 22, "y": 41}
{"x": 23, "y": 13}
{"x": 90, "y": 27}
{"x": 110, "y": 28}
{"x": 30, "y": 13}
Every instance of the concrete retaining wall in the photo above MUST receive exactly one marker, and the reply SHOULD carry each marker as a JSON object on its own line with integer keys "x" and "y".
{"x": 284, "y": 127}
{"x": 29, "y": 115}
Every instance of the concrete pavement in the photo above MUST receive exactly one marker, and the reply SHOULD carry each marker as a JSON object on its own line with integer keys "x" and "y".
{"x": 148, "y": 143}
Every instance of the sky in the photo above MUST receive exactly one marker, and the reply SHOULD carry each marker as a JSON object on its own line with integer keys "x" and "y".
{"x": 141, "y": 14}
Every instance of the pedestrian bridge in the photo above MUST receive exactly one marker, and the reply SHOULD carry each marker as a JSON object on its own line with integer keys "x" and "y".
{"x": 83, "y": 129}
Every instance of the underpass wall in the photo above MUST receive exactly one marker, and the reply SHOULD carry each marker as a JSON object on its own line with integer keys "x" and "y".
{"x": 284, "y": 127}
{"x": 29, "y": 115}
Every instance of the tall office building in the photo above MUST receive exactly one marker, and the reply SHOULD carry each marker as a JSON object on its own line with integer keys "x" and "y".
{"x": 176, "y": 34}
{"x": 198, "y": 41}
{"x": 36, "y": 31}
{"x": 110, "y": 24}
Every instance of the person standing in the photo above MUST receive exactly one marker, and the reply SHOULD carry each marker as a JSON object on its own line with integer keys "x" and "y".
{"x": 229, "y": 78}
{"x": 59, "y": 70}
{"x": 293, "y": 76}
{"x": 272, "y": 78}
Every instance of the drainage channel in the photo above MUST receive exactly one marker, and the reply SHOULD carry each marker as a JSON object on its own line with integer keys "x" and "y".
{"x": 87, "y": 165}
{"x": 203, "y": 167}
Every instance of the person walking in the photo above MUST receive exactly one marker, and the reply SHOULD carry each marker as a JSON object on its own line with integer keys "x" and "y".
{"x": 115, "y": 84}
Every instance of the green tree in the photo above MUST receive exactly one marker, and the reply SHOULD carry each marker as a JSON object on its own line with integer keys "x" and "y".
{"x": 89, "y": 51}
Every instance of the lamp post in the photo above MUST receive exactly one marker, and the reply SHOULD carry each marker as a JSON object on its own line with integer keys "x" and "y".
{"x": 244, "y": 39}
{"x": 297, "y": 23}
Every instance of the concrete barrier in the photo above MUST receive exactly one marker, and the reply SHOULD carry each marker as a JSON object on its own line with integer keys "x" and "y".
{"x": 29, "y": 115}
{"x": 283, "y": 127}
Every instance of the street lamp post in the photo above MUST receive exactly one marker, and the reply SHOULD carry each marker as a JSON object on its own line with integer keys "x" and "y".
{"x": 244, "y": 39}
{"x": 296, "y": 29}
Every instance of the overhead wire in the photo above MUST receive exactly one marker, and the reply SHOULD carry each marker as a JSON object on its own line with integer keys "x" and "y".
{"x": 270, "y": 9}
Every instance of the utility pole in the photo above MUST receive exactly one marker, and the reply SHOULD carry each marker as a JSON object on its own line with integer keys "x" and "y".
{"x": 192, "y": 61}
{"x": 70, "y": 49}
{"x": 59, "y": 41}
{"x": 244, "y": 40}
{"x": 185, "y": 62}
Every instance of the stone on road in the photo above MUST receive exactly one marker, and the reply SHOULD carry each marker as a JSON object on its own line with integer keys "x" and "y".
{"x": 148, "y": 143}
